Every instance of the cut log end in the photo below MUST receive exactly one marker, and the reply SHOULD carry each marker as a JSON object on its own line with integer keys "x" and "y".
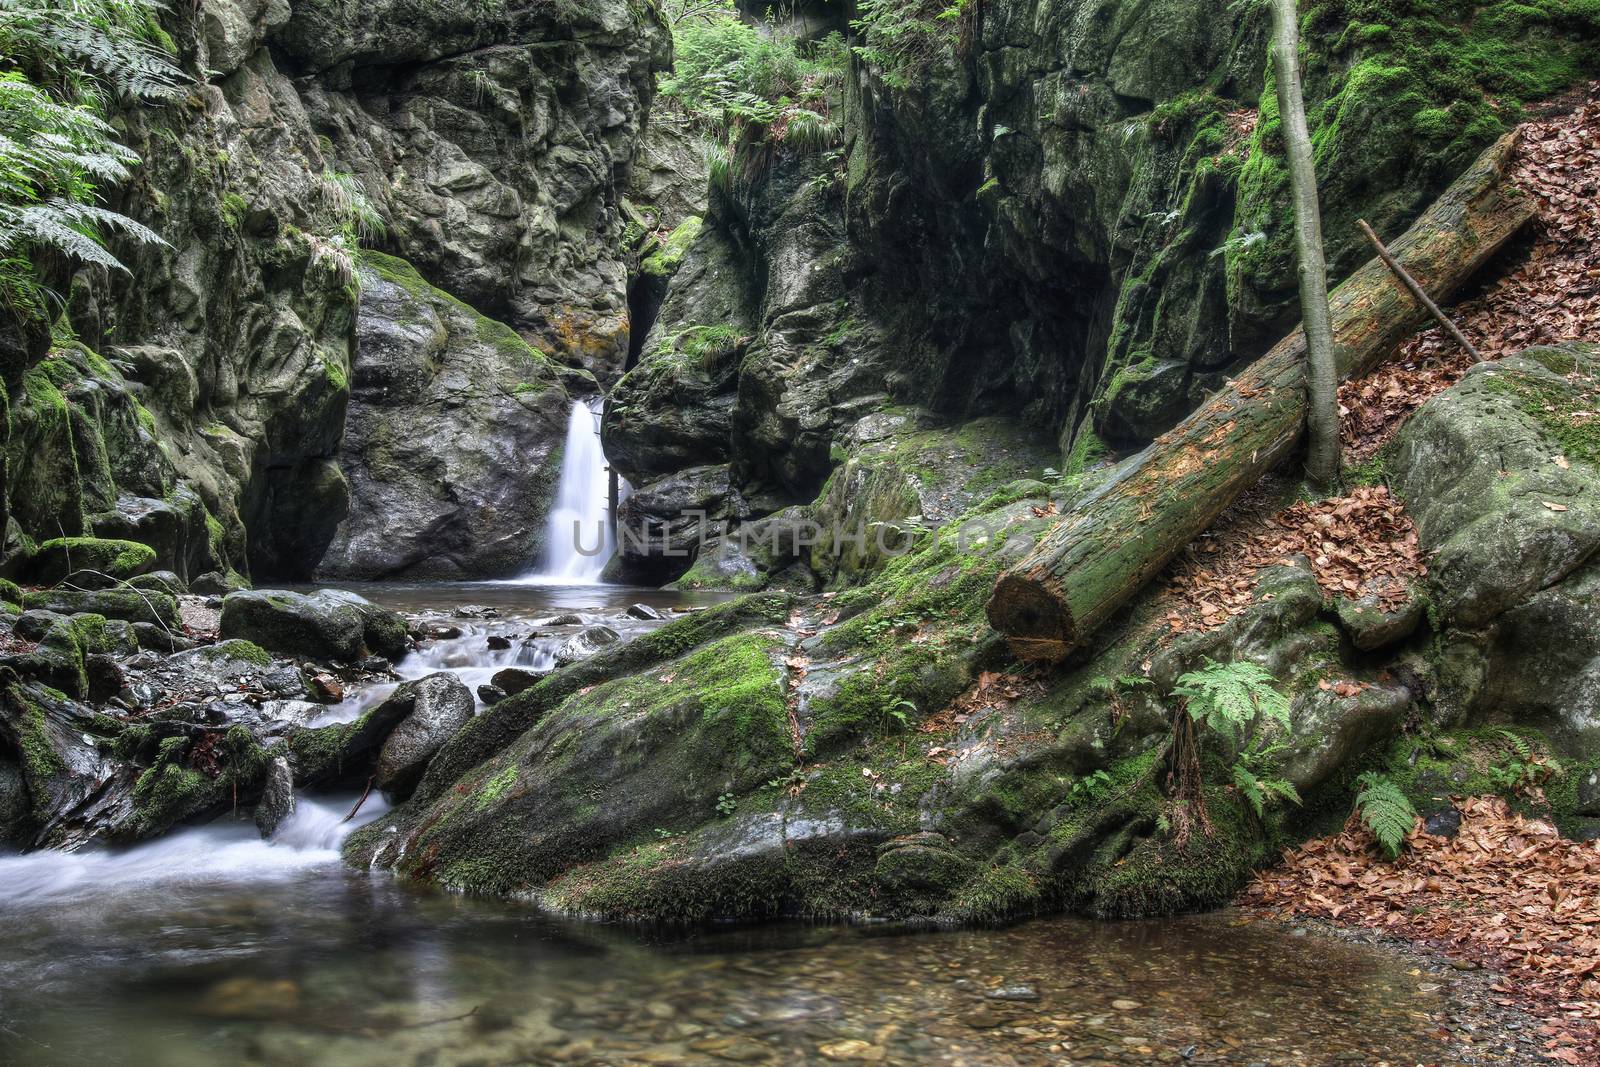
{"x": 1037, "y": 624}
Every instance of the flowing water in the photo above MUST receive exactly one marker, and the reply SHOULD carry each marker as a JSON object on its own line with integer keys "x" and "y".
{"x": 578, "y": 535}
{"x": 213, "y": 947}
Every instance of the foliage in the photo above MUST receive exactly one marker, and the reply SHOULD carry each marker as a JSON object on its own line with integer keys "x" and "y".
{"x": 752, "y": 92}
{"x": 1523, "y": 768}
{"x": 64, "y": 59}
{"x": 1385, "y": 810}
{"x": 899, "y": 39}
{"x": 1232, "y": 702}
{"x": 1230, "y": 698}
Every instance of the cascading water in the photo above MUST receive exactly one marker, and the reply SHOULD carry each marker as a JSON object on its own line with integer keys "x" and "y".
{"x": 578, "y": 535}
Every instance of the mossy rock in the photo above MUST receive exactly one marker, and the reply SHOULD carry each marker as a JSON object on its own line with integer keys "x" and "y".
{"x": 131, "y": 605}
{"x": 116, "y": 560}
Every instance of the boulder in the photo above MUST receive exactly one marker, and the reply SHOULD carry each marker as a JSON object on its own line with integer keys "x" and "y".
{"x": 585, "y": 643}
{"x": 452, "y": 442}
{"x": 277, "y": 801}
{"x": 132, "y": 605}
{"x": 435, "y": 708}
{"x": 513, "y": 680}
{"x": 328, "y": 624}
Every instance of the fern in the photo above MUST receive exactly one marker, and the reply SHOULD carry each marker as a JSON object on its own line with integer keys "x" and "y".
{"x": 64, "y": 58}
{"x": 1229, "y": 698}
{"x": 1385, "y": 810}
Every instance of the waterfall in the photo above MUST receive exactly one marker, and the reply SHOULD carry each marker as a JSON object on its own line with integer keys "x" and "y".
{"x": 578, "y": 536}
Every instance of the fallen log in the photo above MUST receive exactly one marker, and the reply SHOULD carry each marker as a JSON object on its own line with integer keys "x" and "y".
{"x": 1419, "y": 294}
{"x": 1113, "y": 542}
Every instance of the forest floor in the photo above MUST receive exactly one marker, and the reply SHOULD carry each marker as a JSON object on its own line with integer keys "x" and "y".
{"x": 1505, "y": 892}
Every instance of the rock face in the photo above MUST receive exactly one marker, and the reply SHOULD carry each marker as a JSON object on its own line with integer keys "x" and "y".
{"x": 451, "y": 446}
{"x": 435, "y": 708}
{"x": 488, "y": 146}
{"x": 329, "y": 624}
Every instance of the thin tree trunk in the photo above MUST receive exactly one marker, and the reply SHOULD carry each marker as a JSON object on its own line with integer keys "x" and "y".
{"x": 1107, "y": 546}
{"x": 1322, "y": 382}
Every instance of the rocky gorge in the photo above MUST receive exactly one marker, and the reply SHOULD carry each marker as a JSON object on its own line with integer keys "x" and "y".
{"x": 862, "y": 330}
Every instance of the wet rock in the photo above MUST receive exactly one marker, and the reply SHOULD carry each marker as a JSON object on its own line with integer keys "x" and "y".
{"x": 325, "y": 688}
{"x": 160, "y": 639}
{"x": 643, "y": 611}
{"x": 285, "y": 681}
{"x": 585, "y": 643}
{"x": 498, "y": 643}
{"x": 569, "y": 619}
{"x": 436, "y": 707}
{"x": 513, "y": 680}
{"x": 251, "y": 998}
{"x": 277, "y": 798}
{"x": 437, "y": 631}
{"x": 328, "y": 624}
{"x": 491, "y": 694}
{"x": 1017, "y": 991}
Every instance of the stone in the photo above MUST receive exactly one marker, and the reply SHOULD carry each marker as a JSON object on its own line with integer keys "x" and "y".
{"x": 1016, "y": 991}
{"x": 644, "y": 612}
{"x": 1371, "y": 628}
{"x": 585, "y": 643}
{"x": 436, "y": 707}
{"x": 132, "y": 605}
{"x": 328, "y": 624}
{"x": 497, "y": 643}
{"x": 512, "y": 680}
{"x": 111, "y": 560}
{"x": 325, "y": 688}
{"x": 491, "y": 694}
{"x": 277, "y": 801}
{"x": 452, "y": 440}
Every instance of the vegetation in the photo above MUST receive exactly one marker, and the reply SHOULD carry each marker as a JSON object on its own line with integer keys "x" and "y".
{"x": 61, "y": 64}
{"x": 900, "y": 40}
{"x": 1385, "y": 810}
{"x": 1233, "y": 703}
{"x": 752, "y": 93}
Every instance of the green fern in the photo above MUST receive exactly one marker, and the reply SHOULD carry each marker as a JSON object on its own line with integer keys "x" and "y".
{"x": 1385, "y": 810}
{"x": 64, "y": 59}
{"x": 1229, "y": 698}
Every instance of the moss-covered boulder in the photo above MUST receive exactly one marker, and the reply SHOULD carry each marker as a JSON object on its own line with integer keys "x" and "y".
{"x": 1502, "y": 473}
{"x": 440, "y": 704}
{"x": 115, "y": 560}
{"x": 452, "y": 440}
{"x": 130, "y": 605}
{"x": 328, "y": 624}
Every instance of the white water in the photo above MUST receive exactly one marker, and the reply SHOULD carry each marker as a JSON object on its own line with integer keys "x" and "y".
{"x": 220, "y": 853}
{"x": 578, "y": 539}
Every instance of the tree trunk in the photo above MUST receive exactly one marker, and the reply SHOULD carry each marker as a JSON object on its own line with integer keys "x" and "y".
{"x": 1119, "y": 537}
{"x": 1322, "y": 382}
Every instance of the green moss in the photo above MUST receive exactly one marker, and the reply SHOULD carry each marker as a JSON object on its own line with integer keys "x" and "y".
{"x": 496, "y": 788}
{"x": 998, "y": 893}
{"x": 234, "y": 208}
{"x": 663, "y": 263}
{"x": 10, "y": 592}
{"x": 333, "y": 371}
{"x": 1557, "y": 408}
{"x": 117, "y": 559}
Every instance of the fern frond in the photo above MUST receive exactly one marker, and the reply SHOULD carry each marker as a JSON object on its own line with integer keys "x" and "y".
{"x": 1386, "y": 811}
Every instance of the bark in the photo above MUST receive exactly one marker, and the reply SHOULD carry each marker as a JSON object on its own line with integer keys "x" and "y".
{"x": 1120, "y": 536}
{"x": 1417, "y": 291}
{"x": 1322, "y": 382}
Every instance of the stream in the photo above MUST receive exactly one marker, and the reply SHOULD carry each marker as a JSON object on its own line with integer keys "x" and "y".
{"x": 211, "y": 946}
